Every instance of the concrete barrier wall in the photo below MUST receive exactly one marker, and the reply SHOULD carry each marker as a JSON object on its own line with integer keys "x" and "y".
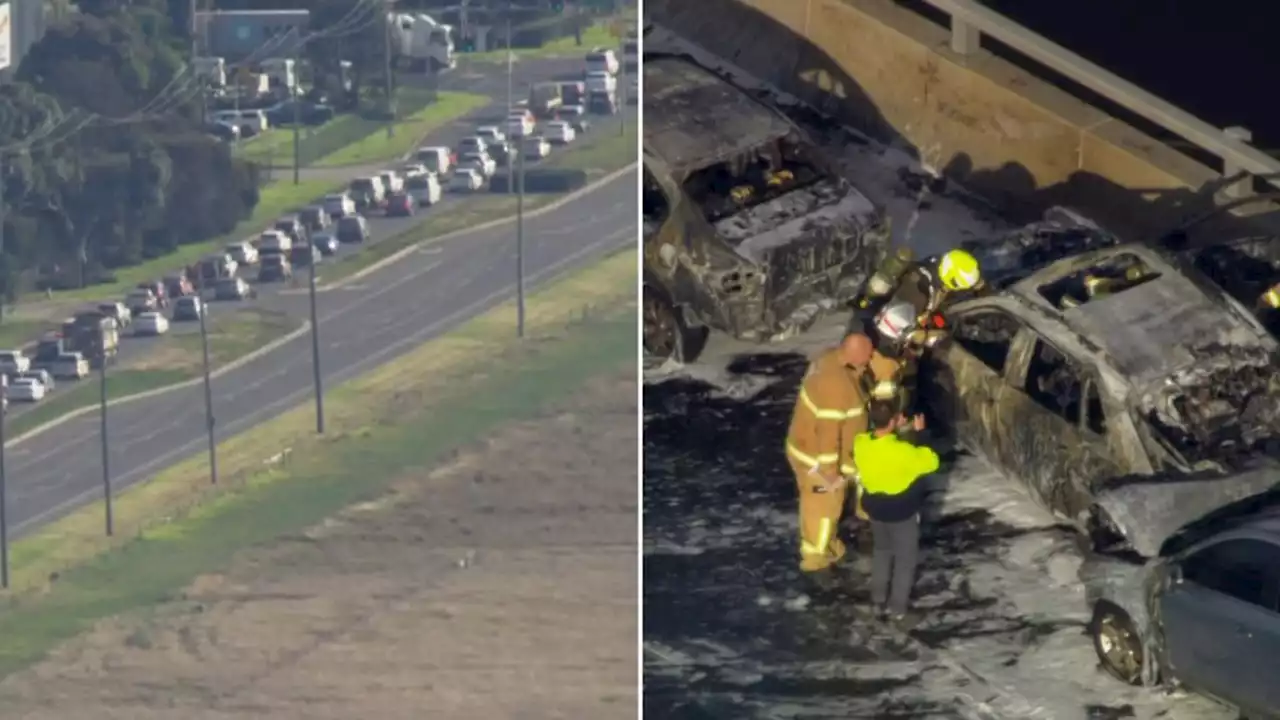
{"x": 1002, "y": 131}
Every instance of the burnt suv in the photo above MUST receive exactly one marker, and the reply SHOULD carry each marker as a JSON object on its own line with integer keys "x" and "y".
{"x": 747, "y": 230}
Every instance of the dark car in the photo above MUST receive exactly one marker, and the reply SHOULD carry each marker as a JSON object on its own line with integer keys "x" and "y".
{"x": 274, "y": 268}
{"x": 314, "y": 218}
{"x": 308, "y": 113}
{"x": 187, "y": 309}
{"x": 222, "y": 131}
{"x": 400, "y": 205}
{"x": 292, "y": 226}
{"x": 326, "y": 243}
{"x": 1206, "y": 614}
{"x": 353, "y": 229}
{"x": 233, "y": 288}
{"x": 178, "y": 285}
{"x": 304, "y": 256}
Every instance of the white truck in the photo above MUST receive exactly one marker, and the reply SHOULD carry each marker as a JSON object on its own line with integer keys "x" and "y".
{"x": 213, "y": 70}
{"x": 421, "y": 42}
{"x": 281, "y": 73}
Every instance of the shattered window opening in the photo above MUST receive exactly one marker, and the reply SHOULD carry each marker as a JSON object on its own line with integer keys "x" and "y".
{"x": 1244, "y": 569}
{"x": 752, "y": 178}
{"x": 654, "y": 203}
{"x": 1112, "y": 276}
{"x": 987, "y": 335}
{"x": 1054, "y": 382}
{"x": 1095, "y": 419}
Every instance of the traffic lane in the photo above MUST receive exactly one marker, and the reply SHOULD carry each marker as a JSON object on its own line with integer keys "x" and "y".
{"x": 62, "y": 467}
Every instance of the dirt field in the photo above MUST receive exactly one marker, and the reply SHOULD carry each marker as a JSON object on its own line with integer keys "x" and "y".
{"x": 502, "y": 585}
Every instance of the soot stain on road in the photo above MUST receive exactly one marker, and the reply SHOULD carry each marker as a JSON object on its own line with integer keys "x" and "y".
{"x": 721, "y": 586}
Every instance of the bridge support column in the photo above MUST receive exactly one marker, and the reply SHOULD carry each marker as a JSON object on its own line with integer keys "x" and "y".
{"x": 1244, "y": 187}
{"x": 481, "y": 35}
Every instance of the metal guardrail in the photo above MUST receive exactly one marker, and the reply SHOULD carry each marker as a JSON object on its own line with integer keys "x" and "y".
{"x": 970, "y": 21}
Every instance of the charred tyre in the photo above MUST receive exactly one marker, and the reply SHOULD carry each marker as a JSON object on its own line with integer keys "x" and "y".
{"x": 666, "y": 333}
{"x": 1117, "y": 643}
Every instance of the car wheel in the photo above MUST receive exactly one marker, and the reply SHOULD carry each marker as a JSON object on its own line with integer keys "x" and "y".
{"x": 666, "y": 335}
{"x": 1117, "y": 643}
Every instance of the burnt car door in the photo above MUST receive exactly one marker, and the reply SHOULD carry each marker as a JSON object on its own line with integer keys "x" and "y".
{"x": 1220, "y": 617}
{"x": 963, "y": 378}
{"x": 1052, "y": 432}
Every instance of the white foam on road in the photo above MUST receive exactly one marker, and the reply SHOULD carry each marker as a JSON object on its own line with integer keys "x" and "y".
{"x": 1025, "y": 639}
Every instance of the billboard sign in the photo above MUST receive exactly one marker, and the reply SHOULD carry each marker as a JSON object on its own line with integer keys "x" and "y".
{"x": 6, "y": 35}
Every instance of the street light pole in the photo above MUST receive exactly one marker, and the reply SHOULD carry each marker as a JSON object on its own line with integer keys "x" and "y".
{"x": 297, "y": 122}
{"x": 208, "y": 396}
{"x": 315, "y": 347}
{"x": 511, "y": 100}
{"x": 4, "y": 487}
{"x": 106, "y": 454}
{"x": 389, "y": 86}
{"x": 520, "y": 246}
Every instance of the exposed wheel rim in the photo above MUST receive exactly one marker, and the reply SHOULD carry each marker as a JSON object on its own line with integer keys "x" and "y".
{"x": 660, "y": 329}
{"x": 1118, "y": 649}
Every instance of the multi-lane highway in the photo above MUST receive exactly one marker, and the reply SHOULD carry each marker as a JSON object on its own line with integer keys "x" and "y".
{"x": 383, "y": 315}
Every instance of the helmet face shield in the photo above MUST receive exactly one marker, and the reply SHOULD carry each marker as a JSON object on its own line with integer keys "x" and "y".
{"x": 894, "y": 321}
{"x": 958, "y": 270}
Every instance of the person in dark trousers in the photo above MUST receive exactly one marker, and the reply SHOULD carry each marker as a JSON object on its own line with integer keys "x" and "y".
{"x": 890, "y": 470}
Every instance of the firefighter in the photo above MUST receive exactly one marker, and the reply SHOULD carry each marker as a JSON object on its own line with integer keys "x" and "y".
{"x": 891, "y": 469}
{"x": 926, "y": 286}
{"x": 829, "y": 412}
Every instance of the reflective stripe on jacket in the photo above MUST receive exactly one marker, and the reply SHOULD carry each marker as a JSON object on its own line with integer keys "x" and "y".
{"x": 889, "y": 465}
{"x": 829, "y": 412}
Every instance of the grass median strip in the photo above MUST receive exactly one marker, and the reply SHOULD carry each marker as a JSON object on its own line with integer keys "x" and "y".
{"x": 280, "y": 477}
{"x": 597, "y": 35}
{"x": 376, "y": 147}
{"x": 601, "y": 152}
{"x": 168, "y": 361}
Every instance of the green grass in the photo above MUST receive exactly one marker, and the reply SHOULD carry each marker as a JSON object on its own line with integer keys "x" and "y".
{"x": 177, "y": 357}
{"x": 16, "y": 333}
{"x": 71, "y": 396}
{"x": 598, "y": 35}
{"x": 602, "y": 151}
{"x": 314, "y": 484}
{"x": 273, "y": 147}
{"x": 276, "y": 199}
{"x": 374, "y": 145}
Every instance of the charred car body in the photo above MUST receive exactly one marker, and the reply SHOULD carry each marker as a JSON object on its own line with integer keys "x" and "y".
{"x": 747, "y": 230}
{"x": 1148, "y": 415}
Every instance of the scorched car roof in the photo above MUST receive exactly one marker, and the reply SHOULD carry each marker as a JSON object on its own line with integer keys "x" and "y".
{"x": 692, "y": 117}
{"x": 1149, "y": 331}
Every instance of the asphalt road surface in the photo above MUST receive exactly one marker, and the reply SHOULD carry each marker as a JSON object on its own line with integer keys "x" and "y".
{"x": 491, "y": 82}
{"x": 361, "y": 326}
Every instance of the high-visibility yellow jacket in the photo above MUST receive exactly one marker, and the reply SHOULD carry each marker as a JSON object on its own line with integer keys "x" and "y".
{"x": 831, "y": 410}
{"x": 888, "y": 470}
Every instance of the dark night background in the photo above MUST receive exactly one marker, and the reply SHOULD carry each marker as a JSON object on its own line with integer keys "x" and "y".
{"x": 1212, "y": 58}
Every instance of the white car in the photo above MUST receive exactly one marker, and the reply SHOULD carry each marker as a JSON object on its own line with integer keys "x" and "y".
{"x": 26, "y": 390}
{"x": 424, "y": 188}
{"x": 412, "y": 169}
{"x": 481, "y": 162}
{"x": 520, "y": 124}
{"x": 559, "y": 132}
{"x": 491, "y": 134}
{"x": 14, "y": 361}
{"x": 466, "y": 179}
{"x": 274, "y": 242}
{"x": 339, "y": 205}
{"x": 391, "y": 181}
{"x": 243, "y": 253}
{"x": 536, "y": 148}
{"x": 469, "y": 145}
{"x": 598, "y": 81}
{"x": 150, "y": 323}
{"x": 436, "y": 159}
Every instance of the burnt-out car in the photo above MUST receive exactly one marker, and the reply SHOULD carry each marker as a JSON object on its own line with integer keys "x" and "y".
{"x": 1129, "y": 412}
{"x": 747, "y": 229}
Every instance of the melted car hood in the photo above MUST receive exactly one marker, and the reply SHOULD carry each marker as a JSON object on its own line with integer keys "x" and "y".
{"x": 1149, "y": 511}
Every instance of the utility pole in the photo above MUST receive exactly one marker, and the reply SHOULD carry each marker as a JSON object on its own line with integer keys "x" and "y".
{"x": 297, "y": 116}
{"x": 4, "y": 486}
{"x": 390, "y": 84}
{"x": 208, "y": 394}
{"x": 520, "y": 247}
{"x": 195, "y": 51}
{"x": 3, "y": 219}
{"x": 511, "y": 99}
{"x": 106, "y": 453}
{"x": 315, "y": 346}
{"x": 622, "y": 96}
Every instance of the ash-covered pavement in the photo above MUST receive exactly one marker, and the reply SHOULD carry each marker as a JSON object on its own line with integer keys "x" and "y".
{"x": 732, "y": 631}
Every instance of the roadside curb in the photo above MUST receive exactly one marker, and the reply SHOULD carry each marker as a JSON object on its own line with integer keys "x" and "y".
{"x": 234, "y": 364}
{"x": 489, "y": 224}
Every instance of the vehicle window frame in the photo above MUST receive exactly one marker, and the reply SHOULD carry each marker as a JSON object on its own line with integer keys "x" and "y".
{"x": 649, "y": 181}
{"x": 1022, "y": 328}
{"x": 1031, "y": 340}
{"x": 1268, "y": 598}
{"x": 1091, "y": 381}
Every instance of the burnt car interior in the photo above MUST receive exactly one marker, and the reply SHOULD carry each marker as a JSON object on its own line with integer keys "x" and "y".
{"x": 1109, "y": 277}
{"x": 751, "y": 178}
{"x": 1053, "y": 380}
